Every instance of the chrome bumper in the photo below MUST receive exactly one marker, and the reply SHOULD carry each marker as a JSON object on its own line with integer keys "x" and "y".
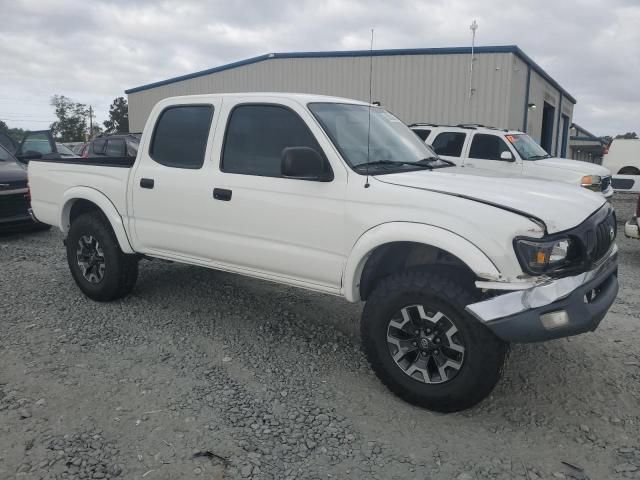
{"x": 517, "y": 316}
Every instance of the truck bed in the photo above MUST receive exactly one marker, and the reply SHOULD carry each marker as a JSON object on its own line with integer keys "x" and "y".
{"x": 52, "y": 180}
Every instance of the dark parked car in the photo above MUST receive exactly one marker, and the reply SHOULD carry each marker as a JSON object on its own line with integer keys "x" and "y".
{"x": 14, "y": 195}
{"x": 115, "y": 145}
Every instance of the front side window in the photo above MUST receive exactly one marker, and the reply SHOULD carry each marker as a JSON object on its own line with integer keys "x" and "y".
{"x": 180, "y": 136}
{"x": 487, "y": 147}
{"x": 527, "y": 147}
{"x": 371, "y": 137}
{"x": 256, "y": 136}
{"x": 449, "y": 143}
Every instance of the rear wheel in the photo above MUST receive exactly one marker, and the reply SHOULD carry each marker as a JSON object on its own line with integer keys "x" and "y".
{"x": 425, "y": 347}
{"x": 98, "y": 266}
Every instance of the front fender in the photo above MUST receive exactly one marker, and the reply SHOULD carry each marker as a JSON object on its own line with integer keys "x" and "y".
{"x": 102, "y": 201}
{"x": 431, "y": 235}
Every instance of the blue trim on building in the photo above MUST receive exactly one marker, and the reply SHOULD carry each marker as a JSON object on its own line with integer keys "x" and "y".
{"x": 365, "y": 53}
{"x": 526, "y": 101}
{"x": 558, "y": 125}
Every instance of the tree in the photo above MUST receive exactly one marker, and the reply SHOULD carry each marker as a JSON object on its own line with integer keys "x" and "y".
{"x": 15, "y": 133}
{"x": 118, "y": 116}
{"x": 628, "y": 135}
{"x": 71, "y": 125}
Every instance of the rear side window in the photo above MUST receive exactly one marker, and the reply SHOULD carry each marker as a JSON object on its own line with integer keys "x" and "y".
{"x": 99, "y": 146}
{"x": 256, "y": 136}
{"x": 449, "y": 143}
{"x": 180, "y": 136}
{"x": 116, "y": 148}
{"x": 487, "y": 147}
{"x": 422, "y": 134}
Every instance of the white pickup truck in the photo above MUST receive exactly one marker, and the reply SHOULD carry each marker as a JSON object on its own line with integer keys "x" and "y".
{"x": 340, "y": 197}
{"x": 509, "y": 153}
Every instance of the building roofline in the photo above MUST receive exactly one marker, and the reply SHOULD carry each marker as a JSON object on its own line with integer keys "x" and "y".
{"x": 585, "y": 131}
{"x": 365, "y": 53}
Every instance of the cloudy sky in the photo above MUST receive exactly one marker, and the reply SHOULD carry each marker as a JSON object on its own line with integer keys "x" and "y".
{"x": 93, "y": 50}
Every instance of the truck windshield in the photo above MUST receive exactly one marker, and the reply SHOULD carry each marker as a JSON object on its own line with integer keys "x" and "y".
{"x": 391, "y": 146}
{"x": 526, "y": 147}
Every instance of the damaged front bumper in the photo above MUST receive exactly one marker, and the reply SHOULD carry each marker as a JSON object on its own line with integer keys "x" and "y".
{"x": 558, "y": 308}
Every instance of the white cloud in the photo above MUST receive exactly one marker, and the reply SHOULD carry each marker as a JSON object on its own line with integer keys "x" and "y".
{"x": 93, "y": 51}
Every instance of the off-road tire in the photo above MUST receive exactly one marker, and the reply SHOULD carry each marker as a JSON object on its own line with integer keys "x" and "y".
{"x": 485, "y": 354}
{"x": 121, "y": 270}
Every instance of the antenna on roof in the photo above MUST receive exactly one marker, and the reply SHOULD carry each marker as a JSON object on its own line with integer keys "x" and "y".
{"x": 366, "y": 184}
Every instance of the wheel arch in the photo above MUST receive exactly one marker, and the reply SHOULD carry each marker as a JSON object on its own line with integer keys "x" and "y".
{"x": 80, "y": 200}
{"x": 389, "y": 247}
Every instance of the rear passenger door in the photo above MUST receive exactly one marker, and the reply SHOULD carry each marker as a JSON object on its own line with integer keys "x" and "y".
{"x": 485, "y": 152}
{"x": 171, "y": 187}
{"x": 449, "y": 145}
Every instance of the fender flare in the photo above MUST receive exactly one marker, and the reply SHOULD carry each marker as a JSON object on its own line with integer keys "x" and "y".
{"x": 426, "y": 234}
{"x": 104, "y": 204}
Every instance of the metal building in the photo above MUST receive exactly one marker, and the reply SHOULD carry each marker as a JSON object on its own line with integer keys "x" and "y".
{"x": 507, "y": 89}
{"x": 585, "y": 146}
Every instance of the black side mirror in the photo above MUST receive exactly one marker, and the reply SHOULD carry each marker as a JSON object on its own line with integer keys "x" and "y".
{"x": 305, "y": 163}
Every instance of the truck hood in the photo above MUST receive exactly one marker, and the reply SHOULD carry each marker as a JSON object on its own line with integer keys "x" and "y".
{"x": 583, "y": 168}
{"x": 560, "y": 206}
{"x": 12, "y": 173}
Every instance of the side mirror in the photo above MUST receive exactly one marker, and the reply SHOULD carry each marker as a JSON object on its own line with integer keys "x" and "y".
{"x": 507, "y": 156}
{"x": 305, "y": 163}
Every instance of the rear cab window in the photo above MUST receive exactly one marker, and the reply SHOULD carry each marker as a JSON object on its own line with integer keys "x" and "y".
{"x": 449, "y": 143}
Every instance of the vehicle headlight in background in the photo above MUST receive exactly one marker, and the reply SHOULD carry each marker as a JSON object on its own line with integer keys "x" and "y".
{"x": 592, "y": 182}
{"x": 538, "y": 257}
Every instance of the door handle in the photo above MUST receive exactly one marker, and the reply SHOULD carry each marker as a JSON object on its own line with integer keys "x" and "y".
{"x": 146, "y": 182}
{"x": 222, "y": 194}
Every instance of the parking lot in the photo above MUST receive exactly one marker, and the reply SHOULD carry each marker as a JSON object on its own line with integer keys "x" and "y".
{"x": 203, "y": 374}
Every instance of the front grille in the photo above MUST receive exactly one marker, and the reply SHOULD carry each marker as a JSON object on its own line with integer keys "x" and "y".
{"x": 13, "y": 205}
{"x": 600, "y": 238}
{"x": 604, "y": 183}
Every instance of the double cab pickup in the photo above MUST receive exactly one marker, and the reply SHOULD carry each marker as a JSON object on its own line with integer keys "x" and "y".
{"x": 339, "y": 196}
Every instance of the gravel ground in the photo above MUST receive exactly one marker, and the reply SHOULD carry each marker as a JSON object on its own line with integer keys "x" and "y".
{"x": 206, "y": 375}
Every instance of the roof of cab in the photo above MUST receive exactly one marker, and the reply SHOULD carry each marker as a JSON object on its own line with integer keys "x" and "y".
{"x": 302, "y": 98}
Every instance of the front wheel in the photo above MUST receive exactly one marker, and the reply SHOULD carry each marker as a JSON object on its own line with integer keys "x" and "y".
{"x": 98, "y": 266}
{"x": 425, "y": 347}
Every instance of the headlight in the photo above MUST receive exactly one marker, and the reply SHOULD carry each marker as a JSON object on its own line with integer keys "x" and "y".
{"x": 538, "y": 257}
{"x": 592, "y": 182}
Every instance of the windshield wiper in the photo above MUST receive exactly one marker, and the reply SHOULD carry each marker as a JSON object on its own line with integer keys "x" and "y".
{"x": 539, "y": 157}
{"x": 378, "y": 163}
{"x": 423, "y": 161}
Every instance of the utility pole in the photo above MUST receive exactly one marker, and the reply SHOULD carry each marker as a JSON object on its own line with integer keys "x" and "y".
{"x": 473, "y": 27}
{"x": 90, "y": 122}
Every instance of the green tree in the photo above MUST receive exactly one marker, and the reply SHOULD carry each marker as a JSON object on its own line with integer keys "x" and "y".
{"x": 628, "y": 135}
{"x": 118, "y": 116}
{"x": 15, "y": 133}
{"x": 71, "y": 125}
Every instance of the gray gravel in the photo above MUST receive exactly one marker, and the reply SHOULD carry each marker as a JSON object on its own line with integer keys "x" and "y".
{"x": 203, "y": 374}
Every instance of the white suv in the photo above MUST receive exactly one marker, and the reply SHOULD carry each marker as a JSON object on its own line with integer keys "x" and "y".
{"x": 509, "y": 153}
